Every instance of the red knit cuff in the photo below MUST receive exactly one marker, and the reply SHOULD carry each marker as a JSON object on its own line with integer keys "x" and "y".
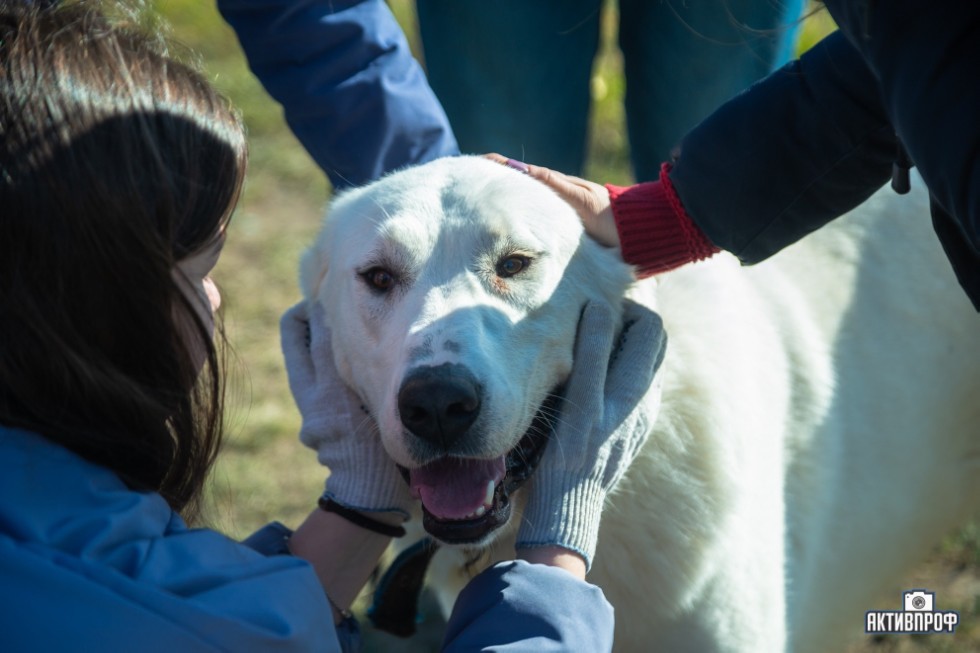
{"x": 655, "y": 233}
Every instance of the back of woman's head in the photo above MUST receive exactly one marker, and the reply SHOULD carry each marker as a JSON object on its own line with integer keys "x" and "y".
{"x": 115, "y": 163}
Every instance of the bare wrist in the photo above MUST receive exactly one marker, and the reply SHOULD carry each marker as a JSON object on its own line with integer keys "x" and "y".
{"x": 602, "y": 227}
{"x": 343, "y": 555}
{"x": 555, "y": 556}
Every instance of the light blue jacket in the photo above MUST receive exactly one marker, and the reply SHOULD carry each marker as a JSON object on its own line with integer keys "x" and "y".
{"x": 87, "y": 564}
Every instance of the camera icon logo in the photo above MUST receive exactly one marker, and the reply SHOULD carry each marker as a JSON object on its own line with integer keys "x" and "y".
{"x": 919, "y": 601}
{"x": 920, "y": 617}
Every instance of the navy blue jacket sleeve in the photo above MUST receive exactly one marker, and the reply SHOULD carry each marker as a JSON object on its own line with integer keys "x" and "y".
{"x": 794, "y": 151}
{"x": 352, "y": 92}
{"x": 924, "y": 54}
{"x": 517, "y": 606}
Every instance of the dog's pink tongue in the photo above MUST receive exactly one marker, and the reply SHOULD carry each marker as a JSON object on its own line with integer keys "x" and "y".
{"x": 454, "y": 488}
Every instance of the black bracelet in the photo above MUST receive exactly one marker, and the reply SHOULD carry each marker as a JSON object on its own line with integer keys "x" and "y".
{"x": 354, "y": 517}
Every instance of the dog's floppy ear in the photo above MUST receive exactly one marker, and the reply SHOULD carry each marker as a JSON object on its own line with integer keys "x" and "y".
{"x": 601, "y": 272}
{"x": 313, "y": 268}
{"x": 315, "y": 262}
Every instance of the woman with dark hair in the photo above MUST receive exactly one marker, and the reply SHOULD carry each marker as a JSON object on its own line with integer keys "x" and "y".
{"x": 119, "y": 171}
{"x": 117, "y": 163}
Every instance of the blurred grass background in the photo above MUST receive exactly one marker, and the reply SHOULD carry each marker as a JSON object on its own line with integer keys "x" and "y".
{"x": 264, "y": 473}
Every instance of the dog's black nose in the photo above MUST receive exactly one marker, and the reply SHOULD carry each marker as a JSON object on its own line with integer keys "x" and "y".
{"x": 439, "y": 403}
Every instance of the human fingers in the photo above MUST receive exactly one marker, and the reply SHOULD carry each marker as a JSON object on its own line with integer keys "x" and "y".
{"x": 520, "y": 166}
{"x": 320, "y": 346}
{"x": 589, "y": 199}
{"x": 295, "y": 337}
{"x": 638, "y": 354}
{"x": 593, "y": 342}
{"x": 573, "y": 190}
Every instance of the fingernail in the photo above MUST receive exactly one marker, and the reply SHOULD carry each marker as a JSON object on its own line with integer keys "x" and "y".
{"x": 520, "y": 166}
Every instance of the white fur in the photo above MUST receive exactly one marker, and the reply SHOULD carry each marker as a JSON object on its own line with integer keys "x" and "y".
{"x": 819, "y": 428}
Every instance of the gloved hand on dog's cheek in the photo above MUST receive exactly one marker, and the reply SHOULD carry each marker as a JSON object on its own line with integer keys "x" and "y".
{"x": 362, "y": 475}
{"x": 601, "y": 427}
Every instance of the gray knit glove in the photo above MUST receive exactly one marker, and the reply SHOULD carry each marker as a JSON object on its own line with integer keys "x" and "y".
{"x": 601, "y": 427}
{"x": 362, "y": 475}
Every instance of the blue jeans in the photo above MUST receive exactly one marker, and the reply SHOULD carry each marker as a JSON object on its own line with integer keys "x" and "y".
{"x": 514, "y": 75}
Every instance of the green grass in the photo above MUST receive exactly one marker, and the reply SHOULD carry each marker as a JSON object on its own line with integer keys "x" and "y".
{"x": 264, "y": 473}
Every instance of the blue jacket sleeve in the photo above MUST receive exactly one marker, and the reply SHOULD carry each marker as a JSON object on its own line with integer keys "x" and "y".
{"x": 352, "y": 92}
{"x": 794, "y": 151}
{"x": 515, "y": 606}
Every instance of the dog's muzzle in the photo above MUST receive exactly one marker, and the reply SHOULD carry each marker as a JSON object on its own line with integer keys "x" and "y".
{"x": 465, "y": 499}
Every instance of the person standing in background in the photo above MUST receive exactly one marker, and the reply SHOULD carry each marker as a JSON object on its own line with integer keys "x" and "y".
{"x": 515, "y": 76}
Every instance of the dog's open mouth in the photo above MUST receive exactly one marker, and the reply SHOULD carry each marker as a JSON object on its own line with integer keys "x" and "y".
{"x": 466, "y": 499}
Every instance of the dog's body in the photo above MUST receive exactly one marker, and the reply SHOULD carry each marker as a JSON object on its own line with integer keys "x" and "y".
{"x": 818, "y": 430}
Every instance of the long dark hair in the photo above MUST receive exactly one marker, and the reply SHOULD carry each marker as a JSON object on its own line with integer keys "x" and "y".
{"x": 115, "y": 163}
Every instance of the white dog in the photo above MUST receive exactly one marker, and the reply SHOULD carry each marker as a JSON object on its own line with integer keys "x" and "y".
{"x": 819, "y": 427}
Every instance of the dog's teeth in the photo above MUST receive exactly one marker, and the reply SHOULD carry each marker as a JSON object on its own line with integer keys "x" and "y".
{"x": 488, "y": 499}
{"x": 479, "y": 511}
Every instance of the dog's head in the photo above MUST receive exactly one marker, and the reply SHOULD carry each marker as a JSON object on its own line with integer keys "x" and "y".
{"x": 453, "y": 291}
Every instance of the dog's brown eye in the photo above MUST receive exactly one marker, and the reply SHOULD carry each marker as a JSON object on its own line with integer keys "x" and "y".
{"x": 379, "y": 279}
{"x": 512, "y": 265}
